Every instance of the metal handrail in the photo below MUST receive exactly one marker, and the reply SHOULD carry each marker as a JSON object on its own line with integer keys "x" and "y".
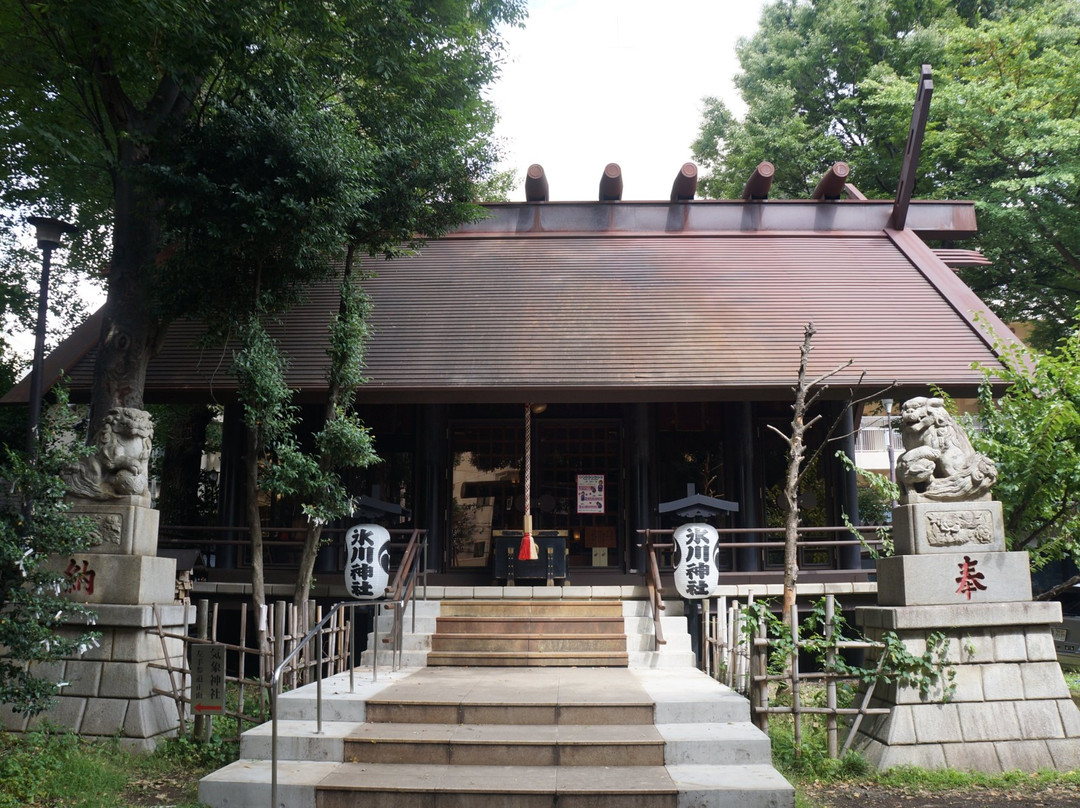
{"x": 275, "y": 679}
{"x": 399, "y": 594}
{"x": 403, "y": 588}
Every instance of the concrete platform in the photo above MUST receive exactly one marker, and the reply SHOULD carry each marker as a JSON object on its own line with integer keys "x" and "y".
{"x": 591, "y": 739}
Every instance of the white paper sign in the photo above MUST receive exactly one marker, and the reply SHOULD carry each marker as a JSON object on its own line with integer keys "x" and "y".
{"x": 590, "y": 493}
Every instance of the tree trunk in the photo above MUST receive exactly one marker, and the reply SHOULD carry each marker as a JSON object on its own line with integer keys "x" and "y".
{"x": 313, "y": 535}
{"x": 306, "y": 573}
{"x": 254, "y": 520}
{"x": 796, "y": 449}
{"x": 131, "y": 329}
{"x": 791, "y": 518}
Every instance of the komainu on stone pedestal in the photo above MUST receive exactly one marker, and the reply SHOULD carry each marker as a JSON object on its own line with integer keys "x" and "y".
{"x": 939, "y": 463}
{"x": 953, "y": 576}
{"x": 118, "y": 466}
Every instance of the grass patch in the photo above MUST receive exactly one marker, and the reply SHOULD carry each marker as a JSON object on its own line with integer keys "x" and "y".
{"x": 60, "y": 770}
{"x": 813, "y": 767}
{"x": 1072, "y": 679}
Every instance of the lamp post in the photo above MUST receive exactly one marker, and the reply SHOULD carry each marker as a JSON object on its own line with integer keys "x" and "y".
{"x": 887, "y": 404}
{"x": 49, "y": 232}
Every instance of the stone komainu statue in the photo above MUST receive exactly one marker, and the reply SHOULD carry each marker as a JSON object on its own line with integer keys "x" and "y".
{"x": 118, "y": 466}
{"x": 939, "y": 463}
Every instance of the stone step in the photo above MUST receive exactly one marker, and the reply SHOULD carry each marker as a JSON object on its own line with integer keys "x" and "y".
{"x": 643, "y": 623}
{"x": 731, "y": 743}
{"x": 509, "y": 633}
{"x": 528, "y": 659}
{"x": 408, "y": 658}
{"x": 447, "y": 738}
{"x": 506, "y": 745}
{"x": 246, "y": 784}
{"x": 533, "y": 712}
{"x": 672, "y": 608}
{"x": 422, "y": 625}
{"x": 530, "y": 643}
{"x": 531, "y": 608}
{"x": 665, "y": 658}
{"x": 759, "y": 786}
{"x": 560, "y": 624}
{"x": 484, "y": 786}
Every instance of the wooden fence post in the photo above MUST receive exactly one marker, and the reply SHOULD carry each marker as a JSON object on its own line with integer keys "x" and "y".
{"x": 201, "y": 730}
{"x": 830, "y": 680}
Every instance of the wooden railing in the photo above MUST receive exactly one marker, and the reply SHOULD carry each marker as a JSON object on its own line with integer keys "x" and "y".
{"x": 657, "y": 541}
{"x": 656, "y": 588}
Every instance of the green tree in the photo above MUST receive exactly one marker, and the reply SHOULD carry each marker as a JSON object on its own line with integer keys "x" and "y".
{"x": 111, "y": 111}
{"x": 35, "y": 617}
{"x": 343, "y": 443}
{"x": 1006, "y": 133}
{"x": 828, "y": 80}
{"x": 1032, "y": 432}
{"x": 225, "y": 156}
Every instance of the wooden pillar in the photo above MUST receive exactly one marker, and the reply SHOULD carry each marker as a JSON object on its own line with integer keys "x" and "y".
{"x": 747, "y": 559}
{"x": 847, "y": 490}
{"x": 431, "y": 455}
{"x": 639, "y": 461}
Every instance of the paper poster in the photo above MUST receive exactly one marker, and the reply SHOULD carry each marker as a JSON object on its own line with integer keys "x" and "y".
{"x": 590, "y": 493}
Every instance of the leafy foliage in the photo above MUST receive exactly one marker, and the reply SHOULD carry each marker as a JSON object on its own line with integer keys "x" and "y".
{"x": 894, "y": 662}
{"x": 828, "y": 80}
{"x": 35, "y": 523}
{"x": 217, "y": 156}
{"x": 876, "y": 496}
{"x": 1032, "y": 433}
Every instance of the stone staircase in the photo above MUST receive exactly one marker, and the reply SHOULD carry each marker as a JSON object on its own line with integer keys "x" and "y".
{"x": 426, "y": 619}
{"x": 651, "y": 732}
{"x": 529, "y": 633}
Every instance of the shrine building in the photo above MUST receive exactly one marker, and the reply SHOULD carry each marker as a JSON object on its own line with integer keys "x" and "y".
{"x": 654, "y": 345}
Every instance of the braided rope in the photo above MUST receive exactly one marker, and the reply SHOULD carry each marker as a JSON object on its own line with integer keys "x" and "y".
{"x": 528, "y": 459}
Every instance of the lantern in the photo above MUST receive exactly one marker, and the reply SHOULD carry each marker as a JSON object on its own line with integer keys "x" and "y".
{"x": 367, "y": 566}
{"x": 697, "y": 572}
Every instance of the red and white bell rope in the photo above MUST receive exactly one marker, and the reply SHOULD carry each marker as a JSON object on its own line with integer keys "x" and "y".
{"x": 528, "y": 550}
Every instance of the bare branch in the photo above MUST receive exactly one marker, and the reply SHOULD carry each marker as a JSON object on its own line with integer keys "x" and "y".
{"x": 787, "y": 440}
{"x": 1060, "y": 589}
{"x": 821, "y": 379}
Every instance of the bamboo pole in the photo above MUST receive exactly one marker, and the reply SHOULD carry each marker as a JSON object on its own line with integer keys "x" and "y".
{"x": 795, "y": 700}
{"x": 201, "y": 729}
{"x": 830, "y": 681}
{"x": 762, "y": 665}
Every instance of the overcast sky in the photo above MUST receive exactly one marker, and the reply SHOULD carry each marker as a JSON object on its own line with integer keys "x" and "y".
{"x": 592, "y": 82}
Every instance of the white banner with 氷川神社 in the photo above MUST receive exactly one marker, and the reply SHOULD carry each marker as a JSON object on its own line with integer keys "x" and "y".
{"x": 367, "y": 561}
{"x": 697, "y": 572}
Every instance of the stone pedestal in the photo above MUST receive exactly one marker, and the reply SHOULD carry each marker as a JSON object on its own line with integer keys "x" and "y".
{"x": 123, "y": 525}
{"x": 110, "y": 689}
{"x": 959, "y": 579}
{"x": 1011, "y": 708}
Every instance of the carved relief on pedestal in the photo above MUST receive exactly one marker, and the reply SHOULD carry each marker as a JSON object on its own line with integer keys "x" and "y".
{"x": 955, "y": 528}
{"x": 108, "y": 527}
